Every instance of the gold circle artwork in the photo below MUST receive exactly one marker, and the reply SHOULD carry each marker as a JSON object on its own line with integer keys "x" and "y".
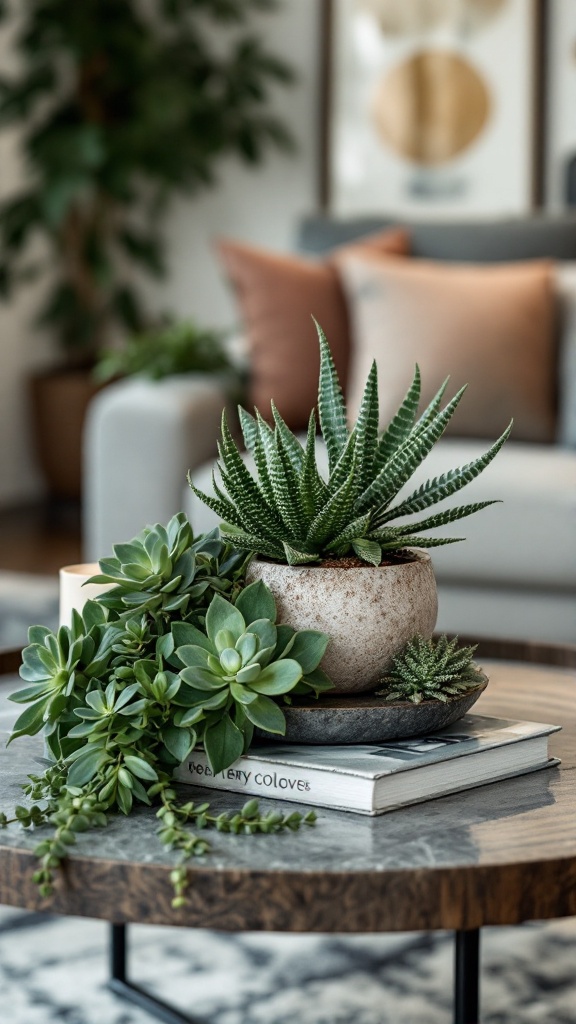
{"x": 429, "y": 108}
{"x": 398, "y": 18}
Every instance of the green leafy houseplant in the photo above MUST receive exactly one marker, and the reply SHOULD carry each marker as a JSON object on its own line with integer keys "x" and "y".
{"x": 160, "y": 662}
{"x": 170, "y": 349}
{"x": 431, "y": 670}
{"x": 121, "y": 105}
{"x": 290, "y": 513}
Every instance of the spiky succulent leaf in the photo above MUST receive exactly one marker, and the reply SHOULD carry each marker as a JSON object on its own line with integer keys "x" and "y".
{"x": 400, "y": 425}
{"x": 400, "y": 542}
{"x": 256, "y": 440}
{"x": 220, "y": 504}
{"x": 242, "y": 487}
{"x": 295, "y": 557}
{"x": 407, "y": 458}
{"x": 368, "y": 550}
{"x": 366, "y": 430}
{"x": 290, "y": 442}
{"x": 250, "y": 542}
{"x": 448, "y": 515}
{"x": 359, "y": 527}
{"x": 286, "y": 483}
{"x": 313, "y": 490}
{"x": 343, "y": 468}
{"x": 249, "y": 429}
{"x": 331, "y": 407}
{"x": 336, "y": 513}
{"x": 432, "y": 408}
{"x": 444, "y": 486}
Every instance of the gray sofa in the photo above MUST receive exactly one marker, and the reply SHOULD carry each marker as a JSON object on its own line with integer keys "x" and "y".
{"x": 514, "y": 576}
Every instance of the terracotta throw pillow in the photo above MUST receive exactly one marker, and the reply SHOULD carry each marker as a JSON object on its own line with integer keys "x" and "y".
{"x": 278, "y": 296}
{"x": 489, "y": 326}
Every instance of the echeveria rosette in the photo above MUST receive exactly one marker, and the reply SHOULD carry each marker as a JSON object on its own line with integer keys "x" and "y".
{"x": 431, "y": 669}
{"x": 165, "y": 571}
{"x": 59, "y": 668}
{"x": 288, "y": 511}
{"x": 233, "y": 671}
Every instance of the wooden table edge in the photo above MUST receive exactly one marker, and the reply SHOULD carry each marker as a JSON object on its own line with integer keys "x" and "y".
{"x": 234, "y": 899}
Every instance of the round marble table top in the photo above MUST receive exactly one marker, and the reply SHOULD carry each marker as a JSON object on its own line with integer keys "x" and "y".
{"x": 499, "y": 854}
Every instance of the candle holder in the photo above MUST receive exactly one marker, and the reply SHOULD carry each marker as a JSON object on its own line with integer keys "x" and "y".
{"x": 75, "y": 591}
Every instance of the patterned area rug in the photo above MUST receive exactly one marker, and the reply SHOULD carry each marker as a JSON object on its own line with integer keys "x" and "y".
{"x": 54, "y": 969}
{"x": 25, "y": 600}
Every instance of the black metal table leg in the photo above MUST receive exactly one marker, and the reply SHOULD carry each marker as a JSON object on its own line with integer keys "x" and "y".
{"x": 467, "y": 977}
{"x": 121, "y": 986}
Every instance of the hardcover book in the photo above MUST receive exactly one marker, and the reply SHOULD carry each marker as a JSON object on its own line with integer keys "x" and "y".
{"x": 380, "y": 777}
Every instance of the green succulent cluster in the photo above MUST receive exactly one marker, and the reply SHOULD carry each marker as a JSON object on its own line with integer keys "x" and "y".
{"x": 431, "y": 670}
{"x": 59, "y": 669}
{"x": 235, "y": 668}
{"x": 290, "y": 513}
{"x": 164, "y": 572}
{"x": 159, "y": 663}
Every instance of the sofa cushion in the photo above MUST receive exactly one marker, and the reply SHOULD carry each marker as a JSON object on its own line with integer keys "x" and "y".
{"x": 278, "y": 295}
{"x": 461, "y": 241}
{"x": 529, "y": 537}
{"x": 490, "y": 326}
{"x": 528, "y": 540}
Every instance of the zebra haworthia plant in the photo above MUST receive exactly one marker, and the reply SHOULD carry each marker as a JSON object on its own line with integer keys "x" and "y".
{"x": 428, "y": 669}
{"x": 289, "y": 512}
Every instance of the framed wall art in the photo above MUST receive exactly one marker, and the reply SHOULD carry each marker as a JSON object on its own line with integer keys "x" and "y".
{"x": 432, "y": 107}
{"x": 560, "y": 105}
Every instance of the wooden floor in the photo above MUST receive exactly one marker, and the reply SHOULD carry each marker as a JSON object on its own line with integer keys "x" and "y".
{"x": 39, "y": 539}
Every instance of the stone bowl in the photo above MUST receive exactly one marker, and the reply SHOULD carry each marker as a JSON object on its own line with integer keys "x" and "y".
{"x": 364, "y": 718}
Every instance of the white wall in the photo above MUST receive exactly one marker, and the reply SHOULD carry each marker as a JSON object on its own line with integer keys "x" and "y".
{"x": 260, "y": 206}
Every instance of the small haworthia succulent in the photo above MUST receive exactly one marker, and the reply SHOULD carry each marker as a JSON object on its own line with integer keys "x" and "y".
{"x": 431, "y": 670}
{"x": 290, "y": 513}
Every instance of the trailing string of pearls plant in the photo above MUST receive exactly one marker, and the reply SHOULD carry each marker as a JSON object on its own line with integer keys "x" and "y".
{"x": 178, "y": 652}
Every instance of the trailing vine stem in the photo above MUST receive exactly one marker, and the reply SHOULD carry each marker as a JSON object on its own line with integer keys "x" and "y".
{"x": 72, "y": 809}
{"x": 248, "y": 821}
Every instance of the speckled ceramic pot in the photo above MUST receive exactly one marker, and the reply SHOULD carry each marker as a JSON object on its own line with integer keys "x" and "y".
{"x": 370, "y": 613}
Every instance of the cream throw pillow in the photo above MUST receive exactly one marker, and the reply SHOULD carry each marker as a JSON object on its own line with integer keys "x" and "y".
{"x": 489, "y": 326}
